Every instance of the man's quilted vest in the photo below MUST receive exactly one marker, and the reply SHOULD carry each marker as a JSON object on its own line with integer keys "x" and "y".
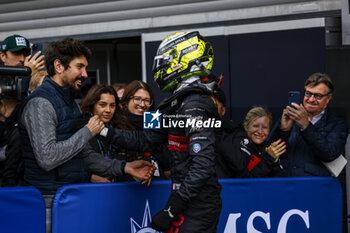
{"x": 67, "y": 113}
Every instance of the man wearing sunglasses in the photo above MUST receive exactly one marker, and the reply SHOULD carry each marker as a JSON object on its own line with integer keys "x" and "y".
{"x": 314, "y": 135}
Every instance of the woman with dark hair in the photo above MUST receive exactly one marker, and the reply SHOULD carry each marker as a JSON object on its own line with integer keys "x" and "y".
{"x": 244, "y": 151}
{"x": 102, "y": 100}
{"x": 138, "y": 98}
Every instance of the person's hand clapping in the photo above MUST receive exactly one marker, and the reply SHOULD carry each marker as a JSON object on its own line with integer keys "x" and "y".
{"x": 276, "y": 149}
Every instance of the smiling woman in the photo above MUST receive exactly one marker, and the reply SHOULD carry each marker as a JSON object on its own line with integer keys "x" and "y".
{"x": 257, "y": 124}
{"x": 138, "y": 98}
{"x": 244, "y": 152}
{"x": 102, "y": 100}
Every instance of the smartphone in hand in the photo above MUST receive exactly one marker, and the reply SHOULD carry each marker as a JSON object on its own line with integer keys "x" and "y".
{"x": 294, "y": 97}
{"x": 36, "y": 48}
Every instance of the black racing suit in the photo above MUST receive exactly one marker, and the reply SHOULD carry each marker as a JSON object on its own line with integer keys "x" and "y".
{"x": 192, "y": 157}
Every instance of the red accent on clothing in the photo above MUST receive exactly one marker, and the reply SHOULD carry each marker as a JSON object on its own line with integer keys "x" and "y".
{"x": 205, "y": 79}
{"x": 182, "y": 148}
{"x": 220, "y": 80}
{"x": 182, "y": 218}
{"x": 180, "y": 139}
{"x": 254, "y": 160}
{"x": 176, "y": 224}
{"x": 172, "y": 230}
{"x": 147, "y": 154}
{"x": 177, "y": 143}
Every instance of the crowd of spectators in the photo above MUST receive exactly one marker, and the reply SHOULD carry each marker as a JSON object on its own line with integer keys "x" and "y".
{"x": 56, "y": 142}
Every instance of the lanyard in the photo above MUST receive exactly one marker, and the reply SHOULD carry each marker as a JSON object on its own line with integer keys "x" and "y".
{"x": 104, "y": 151}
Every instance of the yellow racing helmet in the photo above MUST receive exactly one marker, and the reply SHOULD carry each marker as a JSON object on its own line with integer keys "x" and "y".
{"x": 180, "y": 56}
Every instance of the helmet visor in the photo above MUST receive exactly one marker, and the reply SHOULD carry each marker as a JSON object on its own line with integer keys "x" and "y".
{"x": 161, "y": 61}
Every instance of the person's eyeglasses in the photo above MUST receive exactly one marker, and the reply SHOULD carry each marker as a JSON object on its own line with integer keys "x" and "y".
{"x": 317, "y": 96}
{"x": 138, "y": 100}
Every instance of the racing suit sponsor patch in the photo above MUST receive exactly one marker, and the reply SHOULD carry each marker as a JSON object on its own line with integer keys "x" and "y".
{"x": 177, "y": 143}
{"x": 196, "y": 147}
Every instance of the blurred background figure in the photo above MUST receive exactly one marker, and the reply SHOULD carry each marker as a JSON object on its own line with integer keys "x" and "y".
{"x": 15, "y": 50}
{"x": 36, "y": 80}
{"x": 244, "y": 151}
{"x": 11, "y": 164}
{"x": 220, "y": 101}
{"x": 119, "y": 88}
